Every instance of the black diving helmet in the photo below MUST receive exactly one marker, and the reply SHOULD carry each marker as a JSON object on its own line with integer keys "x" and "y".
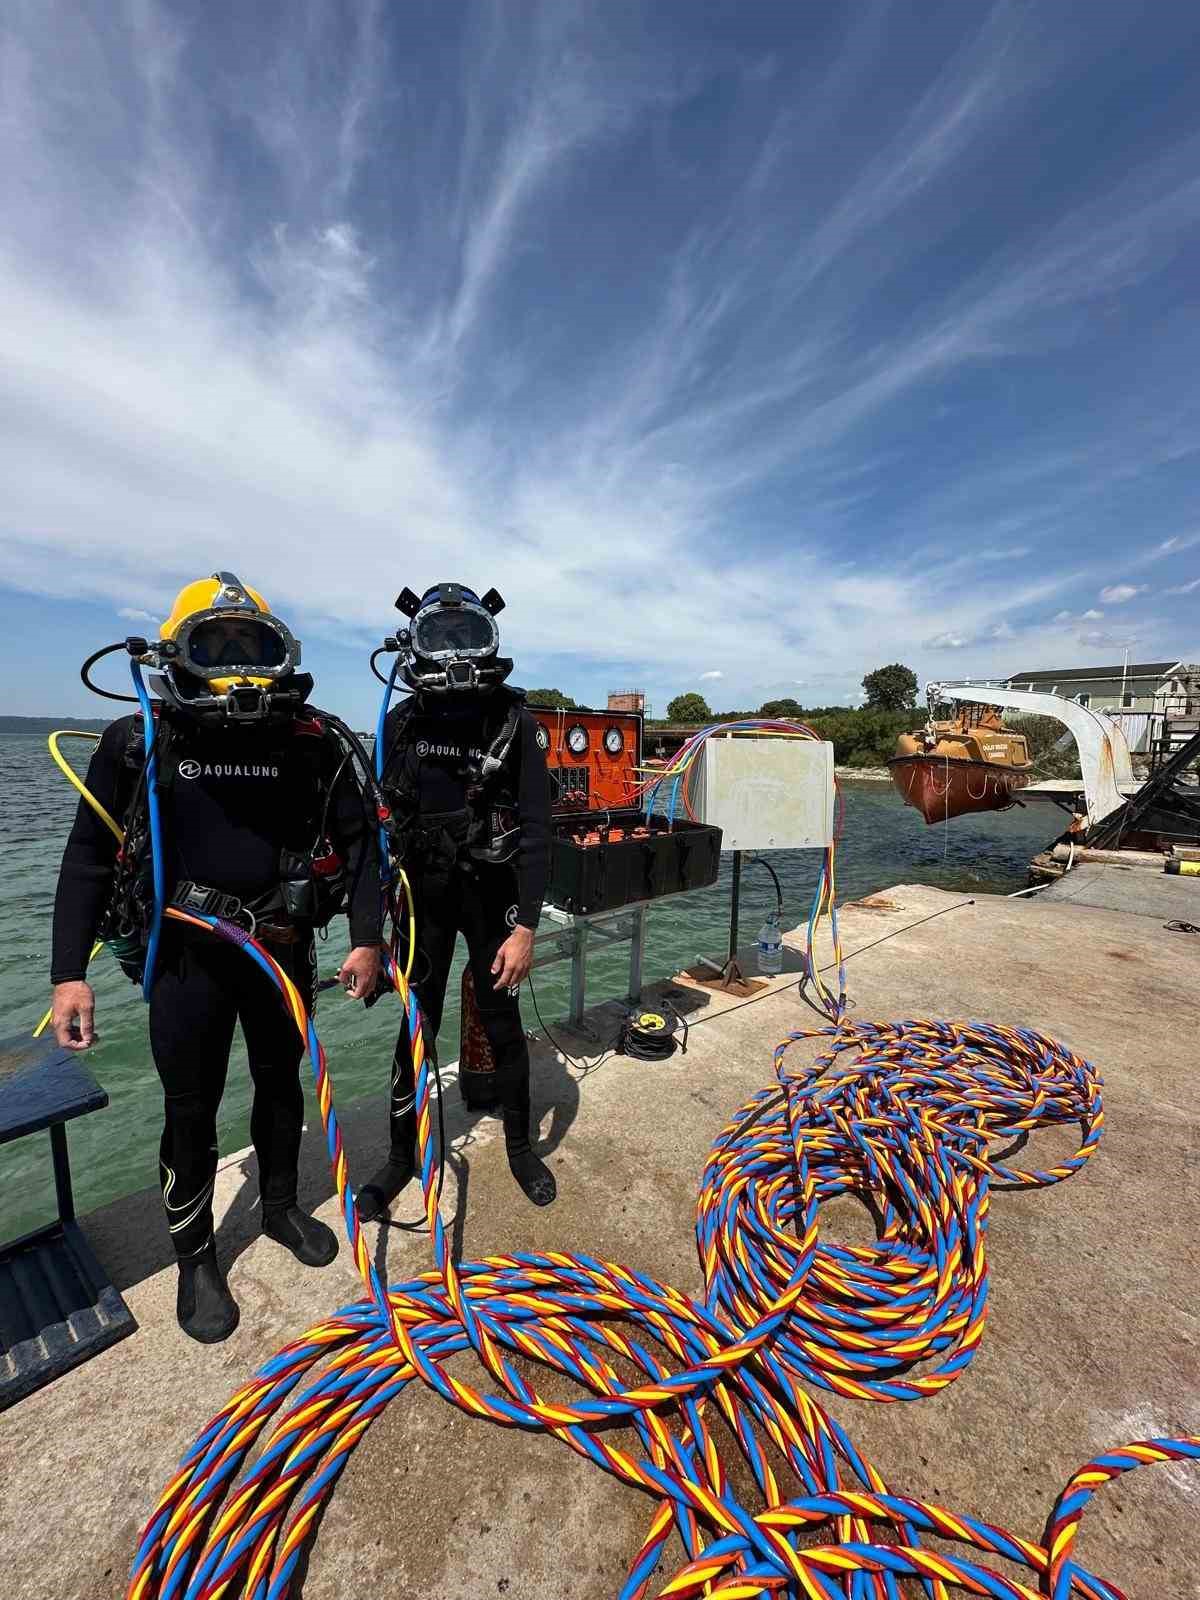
{"x": 453, "y": 641}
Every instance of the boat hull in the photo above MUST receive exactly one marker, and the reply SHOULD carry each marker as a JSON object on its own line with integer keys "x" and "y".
{"x": 941, "y": 787}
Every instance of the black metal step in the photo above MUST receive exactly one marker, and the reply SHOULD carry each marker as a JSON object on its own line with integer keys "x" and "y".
{"x": 1155, "y": 794}
{"x": 57, "y": 1309}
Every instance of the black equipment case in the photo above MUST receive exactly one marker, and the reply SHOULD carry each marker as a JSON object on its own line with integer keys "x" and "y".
{"x": 605, "y": 854}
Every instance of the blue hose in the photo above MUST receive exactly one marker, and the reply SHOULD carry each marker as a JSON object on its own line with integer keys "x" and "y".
{"x": 382, "y": 718}
{"x": 156, "y": 853}
{"x": 385, "y": 859}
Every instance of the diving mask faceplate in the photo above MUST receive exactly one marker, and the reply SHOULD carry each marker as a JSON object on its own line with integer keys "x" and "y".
{"x": 453, "y": 641}
{"x": 223, "y": 654}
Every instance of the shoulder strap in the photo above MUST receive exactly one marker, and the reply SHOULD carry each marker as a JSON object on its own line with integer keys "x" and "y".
{"x": 404, "y": 712}
{"x": 135, "y": 751}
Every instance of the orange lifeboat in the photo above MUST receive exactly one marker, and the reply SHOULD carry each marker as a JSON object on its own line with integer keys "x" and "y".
{"x": 972, "y": 763}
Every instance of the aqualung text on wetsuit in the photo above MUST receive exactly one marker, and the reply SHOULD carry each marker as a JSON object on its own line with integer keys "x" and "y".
{"x": 232, "y": 799}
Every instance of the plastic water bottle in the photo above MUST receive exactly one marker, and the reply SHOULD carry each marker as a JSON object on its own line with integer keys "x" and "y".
{"x": 770, "y": 945}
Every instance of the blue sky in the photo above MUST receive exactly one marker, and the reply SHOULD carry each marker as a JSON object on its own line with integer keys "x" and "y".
{"x": 744, "y": 347}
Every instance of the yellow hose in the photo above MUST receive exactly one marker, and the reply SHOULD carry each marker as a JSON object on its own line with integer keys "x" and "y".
{"x": 412, "y": 923}
{"x": 115, "y": 827}
{"x": 77, "y": 782}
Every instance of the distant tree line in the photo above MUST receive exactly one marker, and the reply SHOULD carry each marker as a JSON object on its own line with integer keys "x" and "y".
{"x": 863, "y": 736}
{"x": 555, "y": 699}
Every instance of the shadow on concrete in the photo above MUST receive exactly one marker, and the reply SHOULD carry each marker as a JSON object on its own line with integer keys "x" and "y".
{"x": 131, "y": 1240}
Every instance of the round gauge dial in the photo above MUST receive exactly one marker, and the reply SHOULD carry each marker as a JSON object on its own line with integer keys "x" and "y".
{"x": 614, "y": 741}
{"x": 542, "y": 736}
{"x": 577, "y": 739}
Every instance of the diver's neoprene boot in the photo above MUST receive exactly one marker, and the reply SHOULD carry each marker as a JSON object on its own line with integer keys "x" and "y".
{"x": 310, "y": 1241}
{"x": 396, "y": 1173}
{"x": 203, "y": 1304}
{"x": 532, "y": 1174}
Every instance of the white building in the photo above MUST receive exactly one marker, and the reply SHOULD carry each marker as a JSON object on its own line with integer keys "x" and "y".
{"x": 1144, "y": 696}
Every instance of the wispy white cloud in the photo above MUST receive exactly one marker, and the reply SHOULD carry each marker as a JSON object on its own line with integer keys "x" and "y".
{"x": 1185, "y": 588}
{"x": 1097, "y": 639}
{"x": 363, "y": 330}
{"x": 1118, "y": 593}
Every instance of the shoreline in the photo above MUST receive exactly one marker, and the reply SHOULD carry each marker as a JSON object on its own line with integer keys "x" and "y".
{"x": 862, "y": 774}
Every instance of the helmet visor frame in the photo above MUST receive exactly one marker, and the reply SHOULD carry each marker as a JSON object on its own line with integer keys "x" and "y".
{"x": 454, "y": 633}
{"x": 220, "y": 643}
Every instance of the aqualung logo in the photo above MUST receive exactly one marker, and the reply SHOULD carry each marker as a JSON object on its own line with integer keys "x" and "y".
{"x": 424, "y": 748}
{"x": 227, "y": 769}
{"x": 511, "y": 915}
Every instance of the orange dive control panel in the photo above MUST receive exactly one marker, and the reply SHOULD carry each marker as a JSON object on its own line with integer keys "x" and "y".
{"x": 593, "y": 758}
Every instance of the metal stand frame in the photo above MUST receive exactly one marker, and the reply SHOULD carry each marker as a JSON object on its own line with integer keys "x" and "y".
{"x": 575, "y": 937}
{"x": 732, "y": 972}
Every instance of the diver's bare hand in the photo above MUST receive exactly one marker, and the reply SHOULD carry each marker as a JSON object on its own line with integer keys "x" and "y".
{"x": 73, "y": 1015}
{"x": 514, "y": 959}
{"x": 359, "y": 973}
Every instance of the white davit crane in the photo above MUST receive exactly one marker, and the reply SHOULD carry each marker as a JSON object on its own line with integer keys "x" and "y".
{"x": 1103, "y": 748}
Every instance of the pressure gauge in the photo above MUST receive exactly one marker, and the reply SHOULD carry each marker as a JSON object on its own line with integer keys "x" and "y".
{"x": 542, "y": 737}
{"x": 614, "y": 741}
{"x": 577, "y": 739}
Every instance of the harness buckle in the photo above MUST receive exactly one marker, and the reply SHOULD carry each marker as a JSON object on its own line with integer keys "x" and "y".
{"x": 206, "y": 902}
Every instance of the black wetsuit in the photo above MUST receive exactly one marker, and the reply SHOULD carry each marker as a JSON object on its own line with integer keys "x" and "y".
{"x": 455, "y": 894}
{"x": 232, "y": 798}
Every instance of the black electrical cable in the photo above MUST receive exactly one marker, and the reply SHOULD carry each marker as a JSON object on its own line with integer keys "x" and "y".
{"x": 647, "y": 1044}
{"x": 323, "y": 832}
{"x": 761, "y": 861}
{"x": 647, "y": 1036}
{"x": 768, "y": 994}
{"x": 350, "y": 738}
{"x": 580, "y": 1066}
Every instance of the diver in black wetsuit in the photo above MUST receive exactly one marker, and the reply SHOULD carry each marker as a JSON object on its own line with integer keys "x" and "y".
{"x": 466, "y": 780}
{"x": 251, "y": 789}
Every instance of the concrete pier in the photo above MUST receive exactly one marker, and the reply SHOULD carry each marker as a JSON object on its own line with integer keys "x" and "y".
{"x": 1091, "y": 1341}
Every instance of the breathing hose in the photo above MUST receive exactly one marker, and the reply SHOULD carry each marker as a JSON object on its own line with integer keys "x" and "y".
{"x": 902, "y": 1115}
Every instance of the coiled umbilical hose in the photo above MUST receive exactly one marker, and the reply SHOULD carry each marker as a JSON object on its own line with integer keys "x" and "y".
{"x": 901, "y": 1114}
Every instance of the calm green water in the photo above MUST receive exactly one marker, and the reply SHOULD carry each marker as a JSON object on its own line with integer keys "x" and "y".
{"x": 114, "y": 1151}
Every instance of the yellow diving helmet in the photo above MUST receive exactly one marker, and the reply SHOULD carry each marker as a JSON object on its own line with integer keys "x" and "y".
{"x": 225, "y": 653}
